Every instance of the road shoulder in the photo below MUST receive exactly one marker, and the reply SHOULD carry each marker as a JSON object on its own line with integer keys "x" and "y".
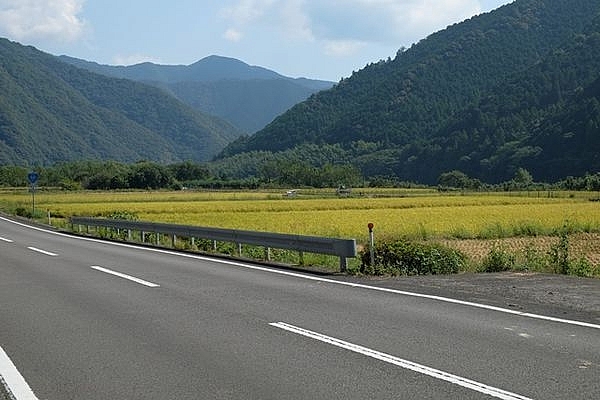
{"x": 558, "y": 296}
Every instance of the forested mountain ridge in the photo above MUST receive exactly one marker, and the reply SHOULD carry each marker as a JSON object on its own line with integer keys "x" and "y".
{"x": 545, "y": 119}
{"x": 51, "y": 111}
{"x": 249, "y": 97}
{"x": 414, "y": 115}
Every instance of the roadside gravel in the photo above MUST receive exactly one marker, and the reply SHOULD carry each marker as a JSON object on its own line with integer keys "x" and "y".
{"x": 4, "y": 394}
{"x": 553, "y": 295}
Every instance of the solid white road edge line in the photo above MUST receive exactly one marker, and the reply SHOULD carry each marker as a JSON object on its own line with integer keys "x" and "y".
{"x": 421, "y": 369}
{"x": 48, "y": 253}
{"x": 316, "y": 278}
{"x": 5, "y": 240}
{"x": 13, "y": 380}
{"x": 124, "y": 276}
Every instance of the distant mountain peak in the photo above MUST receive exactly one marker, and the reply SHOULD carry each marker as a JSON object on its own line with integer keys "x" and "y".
{"x": 214, "y": 68}
{"x": 249, "y": 97}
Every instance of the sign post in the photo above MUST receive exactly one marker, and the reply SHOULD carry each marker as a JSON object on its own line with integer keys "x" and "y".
{"x": 371, "y": 243}
{"x": 33, "y": 177}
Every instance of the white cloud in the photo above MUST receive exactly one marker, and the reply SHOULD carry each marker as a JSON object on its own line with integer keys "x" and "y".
{"x": 427, "y": 16}
{"x": 345, "y": 26}
{"x": 246, "y": 11}
{"x": 242, "y": 14}
{"x": 284, "y": 17}
{"x": 42, "y": 19}
{"x": 343, "y": 48}
{"x": 295, "y": 23}
{"x": 396, "y": 22}
{"x": 233, "y": 35}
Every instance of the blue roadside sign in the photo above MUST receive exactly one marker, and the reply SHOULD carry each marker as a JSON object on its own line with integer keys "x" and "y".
{"x": 33, "y": 177}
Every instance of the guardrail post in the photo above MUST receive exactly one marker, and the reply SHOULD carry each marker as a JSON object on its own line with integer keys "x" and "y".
{"x": 343, "y": 264}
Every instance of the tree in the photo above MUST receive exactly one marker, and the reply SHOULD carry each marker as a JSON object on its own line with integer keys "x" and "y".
{"x": 457, "y": 180}
{"x": 523, "y": 178}
{"x": 13, "y": 176}
{"x": 146, "y": 175}
{"x": 189, "y": 171}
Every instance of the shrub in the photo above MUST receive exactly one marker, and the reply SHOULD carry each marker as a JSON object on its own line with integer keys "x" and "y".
{"x": 559, "y": 253}
{"x": 498, "y": 260}
{"x": 122, "y": 215}
{"x": 403, "y": 257}
{"x": 23, "y": 212}
{"x": 533, "y": 260}
{"x": 582, "y": 268}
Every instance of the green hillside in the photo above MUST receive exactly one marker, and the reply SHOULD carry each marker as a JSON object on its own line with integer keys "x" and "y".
{"x": 546, "y": 119}
{"x": 248, "y": 97}
{"x": 51, "y": 111}
{"x": 513, "y": 88}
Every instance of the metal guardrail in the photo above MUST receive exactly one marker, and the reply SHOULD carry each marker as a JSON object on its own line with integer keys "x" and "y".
{"x": 343, "y": 248}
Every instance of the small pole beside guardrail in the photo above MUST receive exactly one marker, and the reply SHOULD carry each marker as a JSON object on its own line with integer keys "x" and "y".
{"x": 371, "y": 243}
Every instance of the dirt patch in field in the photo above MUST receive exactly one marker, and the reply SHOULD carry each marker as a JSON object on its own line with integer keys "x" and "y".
{"x": 581, "y": 245}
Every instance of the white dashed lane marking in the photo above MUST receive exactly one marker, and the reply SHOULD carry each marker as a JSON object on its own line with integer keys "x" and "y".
{"x": 45, "y": 252}
{"x": 125, "y": 276}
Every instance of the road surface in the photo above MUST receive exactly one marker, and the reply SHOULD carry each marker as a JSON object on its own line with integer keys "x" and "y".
{"x": 86, "y": 319}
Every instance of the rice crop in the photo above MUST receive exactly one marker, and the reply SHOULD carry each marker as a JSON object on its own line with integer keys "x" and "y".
{"x": 414, "y": 214}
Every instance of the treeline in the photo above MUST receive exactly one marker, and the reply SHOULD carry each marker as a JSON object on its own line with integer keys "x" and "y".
{"x": 112, "y": 175}
{"x": 269, "y": 172}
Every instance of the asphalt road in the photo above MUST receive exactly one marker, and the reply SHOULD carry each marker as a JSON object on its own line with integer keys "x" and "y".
{"x": 84, "y": 319}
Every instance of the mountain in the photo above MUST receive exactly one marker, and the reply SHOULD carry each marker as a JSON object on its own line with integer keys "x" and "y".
{"x": 545, "y": 119}
{"x": 513, "y": 88}
{"x": 51, "y": 111}
{"x": 248, "y": 97}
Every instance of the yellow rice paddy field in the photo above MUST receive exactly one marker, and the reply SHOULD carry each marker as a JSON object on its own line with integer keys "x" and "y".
{"x": 422, "y": 214}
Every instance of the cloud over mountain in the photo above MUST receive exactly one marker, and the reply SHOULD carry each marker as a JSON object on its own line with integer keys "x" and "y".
{"x": 57, "y": 20}
{"x": 343, "y": 27}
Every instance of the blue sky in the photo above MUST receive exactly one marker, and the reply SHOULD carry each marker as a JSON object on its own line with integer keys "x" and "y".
{"x": 320, "y": 39}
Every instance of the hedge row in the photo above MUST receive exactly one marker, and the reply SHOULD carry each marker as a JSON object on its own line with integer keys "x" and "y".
{"x": 403, "y": 257}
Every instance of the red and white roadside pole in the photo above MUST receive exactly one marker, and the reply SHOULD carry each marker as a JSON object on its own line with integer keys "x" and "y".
{"x": 371, "y": 243}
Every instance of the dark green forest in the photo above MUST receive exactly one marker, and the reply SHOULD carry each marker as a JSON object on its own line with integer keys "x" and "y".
{"x": 112, "y": 175}
{"x": 273, "y": 174}
{"x": 513, "y": 89}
